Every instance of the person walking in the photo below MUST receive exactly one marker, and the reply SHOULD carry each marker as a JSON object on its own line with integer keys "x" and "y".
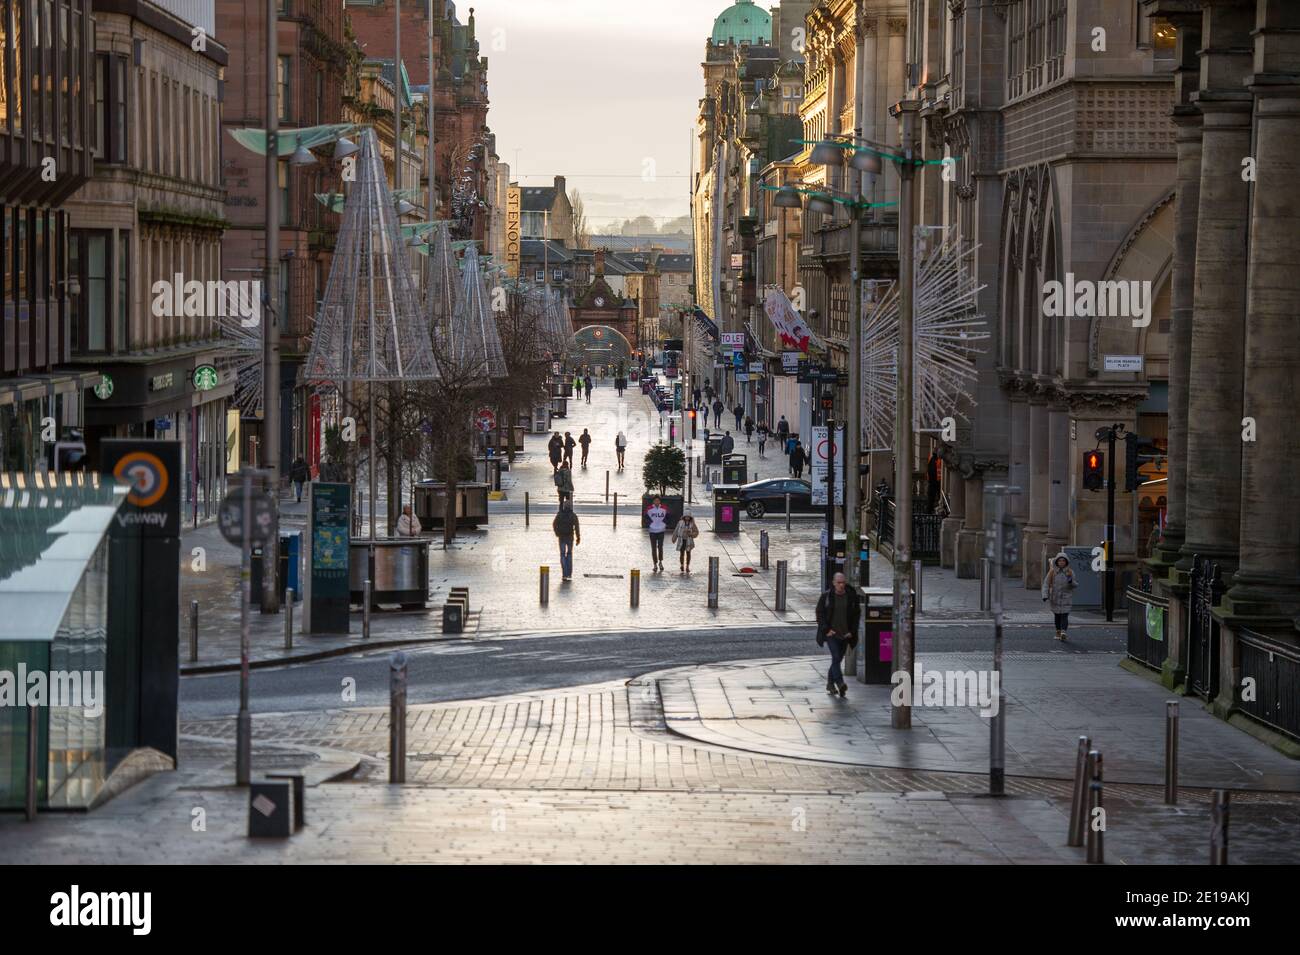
{"x": 556, "y": 449}
{"x": 658, "y": 517}
{"x": 684, "y": 535}
{"x": 838, "y": 614}
{"x": 564, "y": 482}
{"x": 708, "y": 395}
{"x": 695, "y": 397}
{"x": 749, "y": 428}
{"x": 588, "y": 383}
{"x": 762, "y": 439}
{"x": 569, "y": 534}
{"x": 797, "y": 459}
{"x": 569, "y": 445}
{"x": 577, "y": 386}
{"x": 1057, "y": 591}
{"x": 717, "y": 412}
{"x": 585, "y": 440}
{"x": 407, "y": 525}
{"x": 739, "y": 412}
{"x": 728, "y": 443}
{"x": 783, "y": 431}
{"x": 620, "y": 448}
{"x": 298, "y": 474}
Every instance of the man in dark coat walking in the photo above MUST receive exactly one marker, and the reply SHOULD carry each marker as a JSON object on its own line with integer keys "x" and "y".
{"x": 838, "y": 614}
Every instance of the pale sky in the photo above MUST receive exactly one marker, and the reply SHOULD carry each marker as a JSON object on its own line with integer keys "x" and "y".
{"x": 603, "y": 92}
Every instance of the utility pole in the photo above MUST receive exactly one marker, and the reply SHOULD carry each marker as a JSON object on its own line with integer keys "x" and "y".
{"x": 432, "y": 212}
{"x": 901, "y": 716}
{"x": 830, "y": 501}
{"x": 853, "y": 432}
{"x": 1003, "y": 550}
{"x": 271, "y": 316}
{"x": 1109, "y": 566}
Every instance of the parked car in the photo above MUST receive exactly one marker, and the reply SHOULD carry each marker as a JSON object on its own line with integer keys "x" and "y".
{"x": 762, "y": 497}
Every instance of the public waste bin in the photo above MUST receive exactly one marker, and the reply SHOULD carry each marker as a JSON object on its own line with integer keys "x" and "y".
{"x": 834, "y": 558}
{"x": 726, "y": 508}
{"x": 287, "y": 572}
{"x": 713, "y": 448}
{"x": 735, "y": 469}
{"x": 876, "y": 648}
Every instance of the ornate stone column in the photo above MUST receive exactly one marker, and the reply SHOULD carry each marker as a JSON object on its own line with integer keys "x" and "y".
{"x": 1267, "y": 583}
{"x": 1018, "y": 465}
{"x": 1058, "y": 495}
{"x": 954, "y": 489}
{"x": 1035, "y": 531}
{"x": 1219, "y": 310}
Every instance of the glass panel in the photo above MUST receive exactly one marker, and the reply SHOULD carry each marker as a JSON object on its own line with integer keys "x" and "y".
{"x": 282, "y": 75}
{"x": 65, "y": 53}
{"x": 74, "y": 101}
{"x": 16, "y": 31}
{"x": 47, "y": 121}
{"x": 75, "y": 301}
{"x": 21, "y": 248}
{"x": 123, "y": 291}
{"x": 101, "y": 95}
{"x": 96, "y": 292}
{"x": 119, "y": 109}
{"x": 4, "y": 64}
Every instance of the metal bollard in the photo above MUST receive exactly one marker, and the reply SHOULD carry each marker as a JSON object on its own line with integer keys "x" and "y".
{"x": 1219, "y": 827}
{"x": 1171, "y": 753}
{"x": 917, "y": 569}
{"x": 33, "y": 757}
{"x": 365, "y": 611}
{"x": 787, "y": 512}
{"x": 762, "y": 549}
{"x": 194, "y": 631}
{"x": 526, "y": 515}
{"x": 397, "y": 718}
{"x": 1078, "y": 797}
{"x": 606, "y": 487}
{"x": 782, "y": 577}
{"x": 713, "y": 583}
{"x": 1096, "y": 836}
{"x": 635, "y": 585}
{"x": 544, "y": 591}
{"x": 616, "y": 508}
{"x": 986, "y": 583}
{"x": 288, "y": 618}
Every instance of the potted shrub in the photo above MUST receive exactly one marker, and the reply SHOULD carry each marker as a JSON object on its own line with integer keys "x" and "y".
{"x": 664, "y": 470}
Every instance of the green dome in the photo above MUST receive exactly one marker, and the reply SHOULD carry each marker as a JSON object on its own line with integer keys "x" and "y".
{"x": 743, "y": 22}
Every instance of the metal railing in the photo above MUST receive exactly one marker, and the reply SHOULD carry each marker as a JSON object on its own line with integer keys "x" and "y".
{"x": 1275, "y": 669}
{"x": 1148, "y": 621}
{"x": 926, "y": 528}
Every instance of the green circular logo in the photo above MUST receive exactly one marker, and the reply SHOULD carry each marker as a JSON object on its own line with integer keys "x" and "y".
{"x": 205, "y": 377}
{"x": 104, "y": 389}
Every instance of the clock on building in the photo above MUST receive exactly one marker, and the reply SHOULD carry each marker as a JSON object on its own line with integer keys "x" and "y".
{"x": 600, "y": 301}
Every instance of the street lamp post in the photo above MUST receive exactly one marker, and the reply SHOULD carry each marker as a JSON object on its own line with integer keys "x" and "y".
{"x": 270, "y": 315}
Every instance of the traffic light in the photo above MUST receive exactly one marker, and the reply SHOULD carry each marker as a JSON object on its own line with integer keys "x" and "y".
{"x": 1137, "y": 451}
{"x": 1093, "y": 478}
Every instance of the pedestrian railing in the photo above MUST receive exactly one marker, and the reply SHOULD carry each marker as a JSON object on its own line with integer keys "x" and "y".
{"x": 1272, "y": 669}
{"x": 1148, "y": 621}
{"x": 926, "y": 528}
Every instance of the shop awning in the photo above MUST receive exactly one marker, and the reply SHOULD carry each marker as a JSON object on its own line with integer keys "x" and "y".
{"x": 706, "y": 323}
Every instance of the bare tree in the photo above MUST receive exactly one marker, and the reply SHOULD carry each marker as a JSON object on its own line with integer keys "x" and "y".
{"x": 581, "y": 229}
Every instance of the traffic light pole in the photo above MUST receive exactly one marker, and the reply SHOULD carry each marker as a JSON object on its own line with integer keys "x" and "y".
{"x": 830, "y": 502}
{"x": 1109, "y": 566}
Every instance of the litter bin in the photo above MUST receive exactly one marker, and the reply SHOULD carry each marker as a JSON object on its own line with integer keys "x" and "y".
{"x": 489, "y": 471}
{"x": 735, "y": 469}
{"x": 864, "y": 561}
{"x": 834, "y": 559}
{"x": 287, "y": 575}
{"x": 726, "y": 509}
{"x": 713, "y": 448}
{"x": 876, "y": 649}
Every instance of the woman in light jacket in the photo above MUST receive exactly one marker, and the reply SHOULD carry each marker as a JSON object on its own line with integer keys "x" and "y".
{"x": 684, "y": 535}
{"x": 1057, "y": 590}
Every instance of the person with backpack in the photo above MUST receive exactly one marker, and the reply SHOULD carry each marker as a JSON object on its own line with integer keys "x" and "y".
{"x": 587, "y": 383}
{"x": 569, "y": 445}
{"x": 564, "y": 482}
{"x": 762, "y": 439}
{"x": 797, "y": 459}
{"x": 838, "y": 613}
{"x": 585, "y": 440}
{"x": 657, "y": 514}
{"x": 569, "y": 534}
{"x": 556, "y": 449}
{"x": 620, "y": 448}
{"x": 717, "y": 412}
{"x": 299, "y": 473}
{"x": 684, "y": 535}
{"x": 783, "y": 432}
{"x": 1058, "y": 587}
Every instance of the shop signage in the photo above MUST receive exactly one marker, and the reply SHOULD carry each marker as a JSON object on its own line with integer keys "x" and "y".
{"x": 162, "y": 382}
{"x": 732, "y": 341}
{"x": 104, "y": 390}
{"x": 756, "y": 367}
{"x": 790, "y": 362}
{"x": 205, "y": 377}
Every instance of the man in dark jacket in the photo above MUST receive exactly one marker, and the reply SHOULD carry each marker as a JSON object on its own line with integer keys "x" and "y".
{"x": 728, "y": 443}
{"x": 717, "y": 412}
{"x": 797, "y": 458}
{"x": 838, "y": 614}
{"x": 569, "y": 445}
{"x": 556, "y": 448}
{"x": 739, "y": 412}
{"x": 584, "y": 439}
{"x": 298, "y": 474}
{"x": 568, "y": 533}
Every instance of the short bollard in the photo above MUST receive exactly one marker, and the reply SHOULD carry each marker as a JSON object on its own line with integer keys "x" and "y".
{"x": 1219, "y": 827}
{"x": 635, "y": 589}
{"x": 1079, "y": 796}
{"x": 713, "y": 583}
{"x": 526, "y": 515}
{"x": 782, "y": 574}
{"x": 544, "y": 584}
{"x": 1171, "y": 752}
{"x": 986, "y": 583}
{"x": 762, "y": 549}
{"x": 616, "y": 508}
{"x": 365, "y": 610}
{"x": 917, "y": 568}
{"x": 397, "y": 718}
{"x": 194, "y": 631}
{"x": 787, "y": 512}
{"x": 288, "y": 618}
{"x": 1096, "y": 822}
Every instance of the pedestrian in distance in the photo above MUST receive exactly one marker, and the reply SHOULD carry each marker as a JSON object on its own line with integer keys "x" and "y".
{"x": 708, "y": 394}
{"x": 695, "y": 398}
{"x": 762, "y": 439}
{"x": 587, "y": 383}
{"x": 838, "y": 614}
{"x": 783, "y": 433}
{"x": 585, "y": 441}
{"x": 569, "y": 445}
{"x": 749, "y": 428}
{"x": 1057, "y": 591}
{"x": 407, "y": 525}
{"x": 556, "y": 449}
{"x": 797, "y": 459}
{"x": 728, "y": 443}
{"x": 564, "y": 482}
{"x": 717, "y": 412}
{"x": 569, "y": 534}
{"x": 658, "y": 517}
{"x": 577, "y": 386}
{"x": 620, "y": 448}
{"x": 299, "y": 473}
{"x": 684, "y": 535}
{"x": 739, "y": 412}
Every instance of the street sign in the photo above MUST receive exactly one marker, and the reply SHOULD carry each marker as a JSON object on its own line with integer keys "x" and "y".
{"x": 1123, "y": 362}
{"x": 821, "y": 451}
{"x": 790, "y": 362}
{"x": 755, "y": 367}
{"x": 230, "y": 516}
{"x": 485, "y": 420}
{"x": 732, "y": 341}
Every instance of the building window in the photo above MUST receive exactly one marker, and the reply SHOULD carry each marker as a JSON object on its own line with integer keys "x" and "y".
{"x": 282, "y": 173}
{"x": 557, "y": 275}
{"x": 540, "y": 275}
{"x": 47, "y": 34}
{"x": 320, "y": 96}
{"x": 1056, "y": 39}
{"x": 74, "y": 79}
{"x": 95, "y": 300}
{"x": 282, "y": 82}
{"x": 1016, "y": 49}
{"x": 120, "y": 318}
{"x": 10, "y": 63}
{"x": 110, "y": 108}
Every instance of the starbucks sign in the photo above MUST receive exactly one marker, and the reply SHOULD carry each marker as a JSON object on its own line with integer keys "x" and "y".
{"x": 205, "y": 377}
{"x": 104, "y": 390}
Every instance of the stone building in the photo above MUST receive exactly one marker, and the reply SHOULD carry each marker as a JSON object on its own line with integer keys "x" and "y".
{"x": 47, "y": 138}
{"x": 149, "y": 224}
{"x": 1053, "y": 118}
{"x": 1234, "y": 360}
{"x": 547, "y": 212}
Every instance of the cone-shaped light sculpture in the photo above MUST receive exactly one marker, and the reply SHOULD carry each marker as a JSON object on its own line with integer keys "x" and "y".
{"x": 471, "y": 340}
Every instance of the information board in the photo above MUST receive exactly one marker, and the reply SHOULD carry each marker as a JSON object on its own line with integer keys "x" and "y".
{"x": 326, "y": 581}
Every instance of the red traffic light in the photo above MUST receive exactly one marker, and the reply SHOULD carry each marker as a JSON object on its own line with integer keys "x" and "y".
{"x": 1093, "y": 479}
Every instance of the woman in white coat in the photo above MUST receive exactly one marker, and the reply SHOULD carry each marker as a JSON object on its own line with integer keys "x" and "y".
{"x": 684, "y": 535}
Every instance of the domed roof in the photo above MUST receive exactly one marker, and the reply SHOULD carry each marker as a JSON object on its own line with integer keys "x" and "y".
{"x": 743, "y": 22}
